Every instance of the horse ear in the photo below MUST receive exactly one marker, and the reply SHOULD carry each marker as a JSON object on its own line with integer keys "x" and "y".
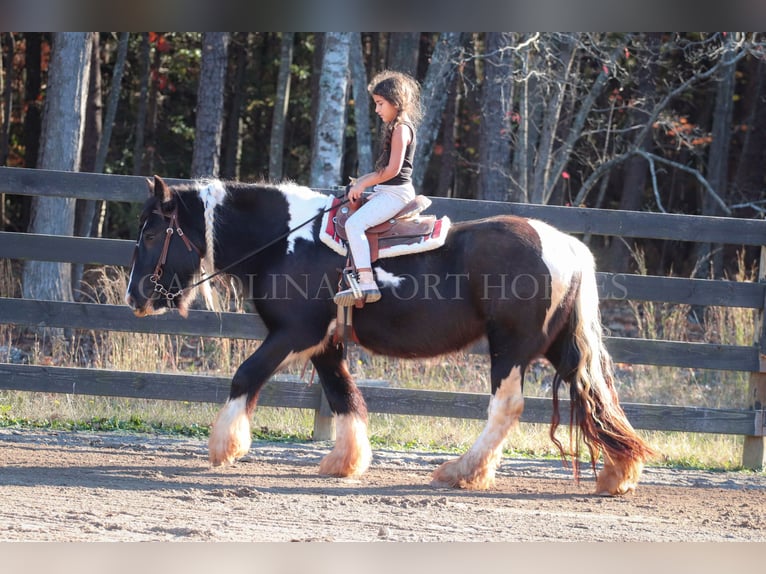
{"x": 161, "y": 189}
{"x": 150, "y": 184}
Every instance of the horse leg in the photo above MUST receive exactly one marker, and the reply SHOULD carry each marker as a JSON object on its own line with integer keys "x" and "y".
{"x": 230, "y": 437}
{"x": 351, "y": 455}
{"x": 476, "y": 468}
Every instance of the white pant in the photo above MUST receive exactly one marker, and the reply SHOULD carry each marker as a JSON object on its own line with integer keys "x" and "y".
{"x": 384, "y": 203}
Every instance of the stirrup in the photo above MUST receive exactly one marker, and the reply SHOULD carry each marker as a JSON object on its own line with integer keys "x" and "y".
{"x": 369, "y": 293}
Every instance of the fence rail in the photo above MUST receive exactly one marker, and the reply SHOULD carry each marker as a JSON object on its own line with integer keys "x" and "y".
{"x": 286, "y": 391}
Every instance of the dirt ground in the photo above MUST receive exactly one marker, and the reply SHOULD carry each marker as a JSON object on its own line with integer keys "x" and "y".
{"x": 60, "y": 486}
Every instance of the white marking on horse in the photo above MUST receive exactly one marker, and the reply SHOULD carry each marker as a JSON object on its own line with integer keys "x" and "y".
{"x": 352, "y": 454}
{"x": 212, "y": 192}
{"x": 562, "y": 259}
{"x": 306, "y": 354}
{"x": 230, "y": 437}
{"x": 386, "y": 278}
{"x": 476, "y": 468}
{"x": 303, "y": 204}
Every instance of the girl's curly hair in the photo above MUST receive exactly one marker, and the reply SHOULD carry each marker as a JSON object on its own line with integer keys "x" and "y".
{"x": 403, "y": 92}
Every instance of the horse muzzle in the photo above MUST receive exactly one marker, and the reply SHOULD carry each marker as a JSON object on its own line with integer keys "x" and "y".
{"x": 144, "y": 310}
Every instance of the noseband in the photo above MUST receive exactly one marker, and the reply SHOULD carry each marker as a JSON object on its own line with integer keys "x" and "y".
{"x": 172, "y": 229}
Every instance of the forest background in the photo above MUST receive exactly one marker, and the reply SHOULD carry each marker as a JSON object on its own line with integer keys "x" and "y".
{"x": 641, "y": 121}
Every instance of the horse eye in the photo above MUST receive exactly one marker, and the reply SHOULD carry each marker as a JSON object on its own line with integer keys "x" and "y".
{"x": 149, "y": 236}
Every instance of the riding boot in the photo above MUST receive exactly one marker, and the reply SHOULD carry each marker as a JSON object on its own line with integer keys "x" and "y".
{"x": 368, "y": 290}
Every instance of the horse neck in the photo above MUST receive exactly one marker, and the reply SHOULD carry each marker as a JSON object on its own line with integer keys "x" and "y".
{"x": 250, "y": 219}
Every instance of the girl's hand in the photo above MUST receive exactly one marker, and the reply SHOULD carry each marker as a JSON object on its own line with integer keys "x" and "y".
{"x": 355, "y": 192}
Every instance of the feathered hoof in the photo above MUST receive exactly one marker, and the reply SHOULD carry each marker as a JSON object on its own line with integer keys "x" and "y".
{"x": 352, "y": 453}
{"x": 617, "y": 479}
{"x": 342, "y": 464}
{"x": 227, "y": 455}
{"x": 230, "y": 436}
{"x": 451, "y": 474}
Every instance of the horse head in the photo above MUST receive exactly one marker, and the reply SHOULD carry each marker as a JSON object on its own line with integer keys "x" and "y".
{"x": 168, "y": 252}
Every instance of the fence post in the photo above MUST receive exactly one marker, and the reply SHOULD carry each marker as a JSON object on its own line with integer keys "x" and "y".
{"x": 754, "y": 450}
{"x": 324, "y": 421}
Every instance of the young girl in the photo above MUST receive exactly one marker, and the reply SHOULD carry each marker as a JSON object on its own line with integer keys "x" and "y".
{"x": 397, "y": 102}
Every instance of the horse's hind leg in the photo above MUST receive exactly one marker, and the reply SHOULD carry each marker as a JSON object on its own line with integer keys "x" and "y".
{"x": 603, "y": 424}
{"x": 476, "y": 468}
{"x": 351, "y": 455}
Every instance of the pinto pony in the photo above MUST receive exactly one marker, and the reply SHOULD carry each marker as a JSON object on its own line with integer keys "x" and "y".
{"x": 525, "y": 286}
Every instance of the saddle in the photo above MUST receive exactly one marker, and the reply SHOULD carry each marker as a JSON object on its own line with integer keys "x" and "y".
{"x": 402, "y": 229}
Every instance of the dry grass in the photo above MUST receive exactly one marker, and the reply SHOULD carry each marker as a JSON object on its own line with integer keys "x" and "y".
{"x": 458, "y": 372}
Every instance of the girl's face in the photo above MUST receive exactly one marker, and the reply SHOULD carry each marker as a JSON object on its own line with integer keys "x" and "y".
{"x": 385, "y": 109}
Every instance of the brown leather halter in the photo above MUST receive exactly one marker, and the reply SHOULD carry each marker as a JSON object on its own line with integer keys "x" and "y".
{"x": 172, "y": 229}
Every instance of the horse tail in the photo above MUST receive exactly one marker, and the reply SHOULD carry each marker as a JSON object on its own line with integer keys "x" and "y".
{"x": 584, "y": 363}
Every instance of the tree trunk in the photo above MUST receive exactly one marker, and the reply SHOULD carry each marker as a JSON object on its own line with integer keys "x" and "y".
{"x": 327, "y": 148}
{"x": 636, "y": 169}
{"x": 143, "y": 104}
{"x": 445, "y": 185}
{"x": 91, "y": 138}
{"x": 521, "y": 154}
{"x": 85, "y": 209}
{"x": 495, "y": 129}
{"x": 6, "y": 90}
{"x": 97, "y": 228}
{"x": 32, "y": 87}
{"x": 207, "y": 143}
{"x": 63, "y": 125}
{"x": 433, "y": 99}
{"x": 717, "y": 167}
{"x": 316, "y": 92}
{"x": 403, "y": 48}
{"x": 277, "y": 142}
{"x": 361, "y": 107}
{"x": 152, "y": 113}
{"x": 751, "y": 163}
{"x": 232, "y": 136}
{"x": 543, "y": 179}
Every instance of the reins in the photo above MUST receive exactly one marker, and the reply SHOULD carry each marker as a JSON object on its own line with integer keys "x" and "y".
{"x": 174, "y": 226}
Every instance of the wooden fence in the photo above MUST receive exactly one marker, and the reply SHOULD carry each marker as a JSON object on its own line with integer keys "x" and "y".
{"x": 287, "y": 391}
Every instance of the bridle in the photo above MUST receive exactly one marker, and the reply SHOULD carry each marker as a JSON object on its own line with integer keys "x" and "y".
{"x": 172, "y": 229}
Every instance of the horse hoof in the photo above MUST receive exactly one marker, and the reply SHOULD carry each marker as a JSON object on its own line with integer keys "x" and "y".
{"x": 226, "y": 460}
{"x": 618, "y": 478}
{"x": 343, "y": 466}
{"x": 622, "y": 489}
{"x": 226, "y": 452}
{"x": 214, "y": 462}
{"x": 439, "y": 483}
{"x": 450, "y": 475}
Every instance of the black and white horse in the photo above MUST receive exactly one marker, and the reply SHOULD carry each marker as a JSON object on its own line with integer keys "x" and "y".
{"x": 526, "y": 287}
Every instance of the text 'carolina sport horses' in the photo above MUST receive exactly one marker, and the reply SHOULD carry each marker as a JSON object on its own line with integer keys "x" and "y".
{"x": 525, "y": 286}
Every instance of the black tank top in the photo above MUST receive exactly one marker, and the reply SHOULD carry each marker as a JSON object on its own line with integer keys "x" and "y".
{"x": 405, "y": 174}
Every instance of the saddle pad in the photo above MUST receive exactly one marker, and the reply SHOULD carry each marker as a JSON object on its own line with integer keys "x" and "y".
{"x": 402, "y": 246}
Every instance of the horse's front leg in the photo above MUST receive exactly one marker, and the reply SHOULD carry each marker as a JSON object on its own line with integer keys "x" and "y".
{"x": 230, "y": 437}
{"x": 351, "y": 455}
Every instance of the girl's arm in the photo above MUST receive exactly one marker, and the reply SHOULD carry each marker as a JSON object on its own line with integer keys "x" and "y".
{"x": 400, "y": 139}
